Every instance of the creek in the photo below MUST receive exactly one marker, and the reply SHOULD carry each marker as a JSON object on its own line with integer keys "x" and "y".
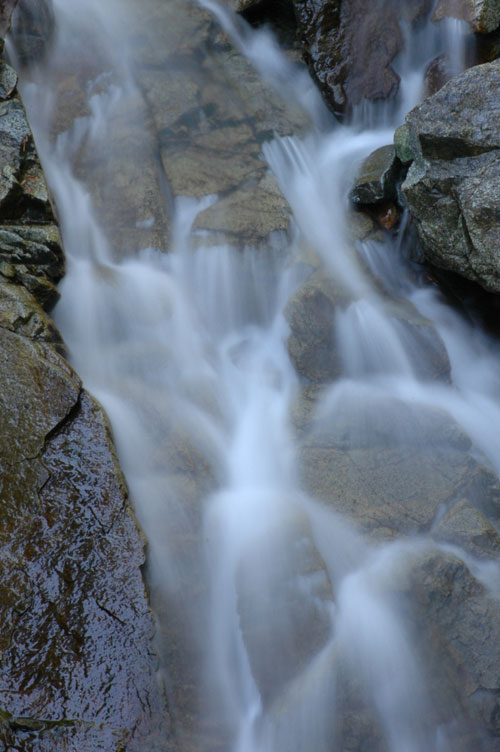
{"x": 284, "y": 612}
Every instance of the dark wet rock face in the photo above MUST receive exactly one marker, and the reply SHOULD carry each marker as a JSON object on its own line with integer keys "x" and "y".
{"x": 33, "y": 27}
{"x": 77, "y": 668}
{"x": 483, "y": 15}
{"x": 350, "y": 46}
{"x": 30, "y": 249}
{"x": 76, "y": 660}
{"x": 452, "y": 186}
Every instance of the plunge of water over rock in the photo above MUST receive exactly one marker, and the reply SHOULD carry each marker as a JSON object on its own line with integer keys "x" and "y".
{"x": 308, "y": 432}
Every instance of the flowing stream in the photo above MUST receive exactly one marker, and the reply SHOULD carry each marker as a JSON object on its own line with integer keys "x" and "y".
{"x": 276, "y": 613}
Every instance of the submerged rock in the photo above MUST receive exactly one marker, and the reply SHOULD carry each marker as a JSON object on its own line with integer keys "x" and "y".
{"x": 452, "y": 186}
{"x": 212, "y": 112}
{"x": 395, "y": 469}
{"x": 376, "y": 179}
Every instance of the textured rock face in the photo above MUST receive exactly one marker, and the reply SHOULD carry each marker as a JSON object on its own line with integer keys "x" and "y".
{"x": 483, "y": 15}
{"x": 33, "y": 26}
{"x": 452, "y": 186}
{"x": 350, "y": 46}
{"x": 397, "y": 472}
{"x": 30, "y": 250}
{"x": 77, "y": 667}
{"x": 212, "y": 112}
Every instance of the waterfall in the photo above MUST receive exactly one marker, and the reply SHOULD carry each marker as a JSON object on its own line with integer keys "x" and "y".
{"x": 276, "y": 613}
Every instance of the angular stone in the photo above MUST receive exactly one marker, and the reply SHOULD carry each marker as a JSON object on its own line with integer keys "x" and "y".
{"x": 38, "y": 249}
{"x": 77, "y": 667}
{"x": 452, "y": 186}
{"x": 8, "y": 81}
{"x": 351, "y": 60}
{"x": 466, "y": 526}
{"x": 376, "y": 179}
{"x": 24, "y": 196}
{"x": 21, "y": 314}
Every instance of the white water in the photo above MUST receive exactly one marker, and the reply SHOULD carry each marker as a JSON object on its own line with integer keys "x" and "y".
{"x": 187, "y": 352}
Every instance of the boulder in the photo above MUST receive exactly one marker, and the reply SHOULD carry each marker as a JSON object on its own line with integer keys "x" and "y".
{"x": 77, "y": 665}
{"x": 310, "y": 314}
{"x": 6, "y": 9}
{"x": 395, "y": 469}
{"x": 75, "y": 623}
{"x": 349, "y": 47}
{"x": 457, "y": 629}
{"x": 375, "y": 182}
{"x": 483, "y": 15}
{"x": 212, "y": 111}
{"x": 452, "y": 185}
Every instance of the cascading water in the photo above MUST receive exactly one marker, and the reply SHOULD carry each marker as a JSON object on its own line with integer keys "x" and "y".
{"x": 273, "y": 609}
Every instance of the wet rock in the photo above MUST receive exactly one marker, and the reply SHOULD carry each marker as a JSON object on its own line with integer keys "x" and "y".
{"x": 37, "y": 248}
{"x": 483, "y": 15}
{"x": 437, "y": 74}
{"x": 394, "y": 469}
{"x": 6, "y": 9}
{"x": 361, "y": 225}
{"x": 452, "y": 186}
{"x": 376, "y": 179}
{"x": 310, "y": 315}
{"x": 212, "y": 113}
{"x": 249, "y": 215}
{"x": 349, "y": 47}
{"x": 24, "y": 196}
{"x": 296, "y": 592}
{"x": 392, "y": 491}
{"x": 467, "y": 527}
{"x": 457, "y": 622}
{"x": 33, "y": 27}
{"x": 80, "y": 628}
{"x": 240, "y": 6}
{"x": 21, "y": 314}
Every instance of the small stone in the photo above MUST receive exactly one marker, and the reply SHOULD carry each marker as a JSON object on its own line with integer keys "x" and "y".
{"x": 376, "y": 180}
{"x": 8, "y": 81}
{"x": 402, "y": 144}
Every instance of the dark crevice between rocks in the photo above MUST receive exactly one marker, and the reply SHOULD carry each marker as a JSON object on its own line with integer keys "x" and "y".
{"x": 447, "y": 148}
{"x": 279, "y": 15}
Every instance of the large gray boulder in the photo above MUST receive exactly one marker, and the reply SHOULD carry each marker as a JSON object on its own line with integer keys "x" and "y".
{"x": 453, "y": 184}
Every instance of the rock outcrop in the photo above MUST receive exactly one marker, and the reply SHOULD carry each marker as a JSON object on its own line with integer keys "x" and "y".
{"x": 483, "y": 15}
{"x": 77, "y": 666}
{"x": 212, "y": 112}
{"x": 349, "y": 50}
{"x": 453, "y": 183}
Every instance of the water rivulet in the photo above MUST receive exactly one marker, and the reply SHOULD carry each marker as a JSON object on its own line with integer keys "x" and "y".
{"x": 310, "y": 435}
